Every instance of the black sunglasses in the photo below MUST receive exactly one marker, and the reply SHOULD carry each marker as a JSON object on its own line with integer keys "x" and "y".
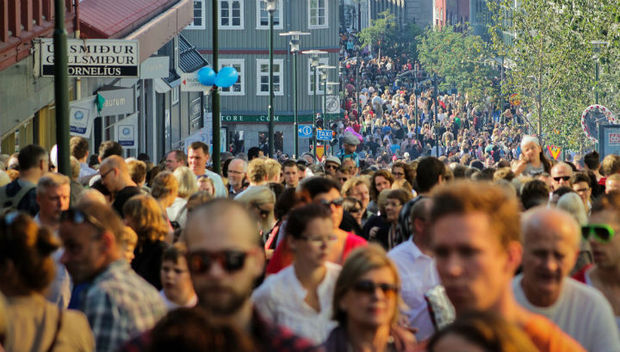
{"x": 370, "y": 287}
{"x": 337, "y": 202}
{"x": 79, "y": 217}
{"x": 199, "y": 262}
{"x": 331, "y": 166}
{"x": 558, "y": 178}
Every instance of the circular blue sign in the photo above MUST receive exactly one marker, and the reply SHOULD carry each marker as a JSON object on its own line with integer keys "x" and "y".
{"x": 126, "y": 131}
{"x": 78, "y": 115}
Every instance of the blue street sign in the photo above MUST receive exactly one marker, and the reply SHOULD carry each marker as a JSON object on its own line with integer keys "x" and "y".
{"x": 324, "y": 135}
{"x": 304, "y": 131}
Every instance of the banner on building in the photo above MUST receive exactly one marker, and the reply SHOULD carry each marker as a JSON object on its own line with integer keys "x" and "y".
{"x": 81, "y": 115}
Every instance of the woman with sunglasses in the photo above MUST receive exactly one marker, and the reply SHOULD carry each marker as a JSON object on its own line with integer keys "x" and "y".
{"x": 26, "y": 270}
{"x": 366, "y": 304}
{"x": 323, "y": 191}
{"x": 602, "y": 234}
{"x": 299, "y": 296}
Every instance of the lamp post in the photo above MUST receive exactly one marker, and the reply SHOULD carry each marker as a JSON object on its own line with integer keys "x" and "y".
{"x": 271, "y": 8}
{"x": 436, "y": 120}
{"x": 314, "y": 64}
{"x": 597, "y": 45}
{"x": 325, "y": 68}
{"x": 215, "y": 109}
{"x": 294, "y": 43}
{"x": 61, "y": 89}
{"x": 331, "y": 90}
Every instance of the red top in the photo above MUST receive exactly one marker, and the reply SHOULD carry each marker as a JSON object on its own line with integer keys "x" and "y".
{"x": 581, "y": 274}
{"x": 283, "y": 257}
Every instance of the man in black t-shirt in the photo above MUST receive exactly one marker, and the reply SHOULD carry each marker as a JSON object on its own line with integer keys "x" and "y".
{"x": 115, "y": 177}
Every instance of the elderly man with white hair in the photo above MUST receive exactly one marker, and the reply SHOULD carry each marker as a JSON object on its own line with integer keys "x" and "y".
{"x": 550, "y": 245}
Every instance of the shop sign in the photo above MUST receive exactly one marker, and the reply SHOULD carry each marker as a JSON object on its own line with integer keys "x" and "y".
{"x": 93, "y": 57}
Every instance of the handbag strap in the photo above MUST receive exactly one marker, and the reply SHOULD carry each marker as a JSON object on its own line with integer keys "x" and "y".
{"x": 58, "y": 325}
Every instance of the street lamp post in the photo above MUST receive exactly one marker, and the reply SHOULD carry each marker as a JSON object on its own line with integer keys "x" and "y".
{"x": 61, "y": 89}
{"x": 314, "y": 64}
{"x": 271, "y": 8}
{"x": 436, "y": 119}
{"x": 597, "y": 45}
{"x": 330, "y": 88}
{"x": 294, "y": 43}
{"x": 215, "y": 109}
{"x": 325, "y": 68}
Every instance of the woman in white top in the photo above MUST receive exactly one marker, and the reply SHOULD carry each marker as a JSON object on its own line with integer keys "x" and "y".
{"x": 300, "y": 295}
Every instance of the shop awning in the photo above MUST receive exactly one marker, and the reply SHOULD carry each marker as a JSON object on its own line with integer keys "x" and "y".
{"x": 152, "y": 22}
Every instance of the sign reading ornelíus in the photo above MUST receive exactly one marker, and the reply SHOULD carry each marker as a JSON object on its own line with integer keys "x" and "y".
{"x": 94, "y": 57}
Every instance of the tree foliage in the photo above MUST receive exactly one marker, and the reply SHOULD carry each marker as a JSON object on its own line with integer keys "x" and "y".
{"x": 548, "y": 45}
{"x": 385, "y": 36}
{"x": 463, "y": 61}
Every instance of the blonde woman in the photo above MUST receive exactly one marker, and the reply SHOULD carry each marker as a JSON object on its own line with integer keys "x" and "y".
{"x": 146, "y": 217}
{"x": 177, "y": 211}
{"x": 366, "y": 303}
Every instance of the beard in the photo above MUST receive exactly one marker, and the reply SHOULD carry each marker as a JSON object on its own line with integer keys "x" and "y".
{"x": 222, "y": 301}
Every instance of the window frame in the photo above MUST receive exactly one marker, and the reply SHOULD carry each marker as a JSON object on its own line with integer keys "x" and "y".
{"x": 279, "y": 12}
{"x": 241, "y": 25}
{"x": 318, "y": 26}
{"x": 204, "y": 22}
{"x": 230, "y": 62}
{"x": 260, "y": 62}
{"x": 319, "y": 88}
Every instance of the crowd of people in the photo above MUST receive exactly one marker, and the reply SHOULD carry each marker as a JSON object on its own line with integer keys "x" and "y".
{"x": 424, "y": 255}
{"x": 390, "y": 102}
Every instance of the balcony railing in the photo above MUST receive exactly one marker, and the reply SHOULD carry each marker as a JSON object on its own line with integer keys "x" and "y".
{"x": 23, "y": 20}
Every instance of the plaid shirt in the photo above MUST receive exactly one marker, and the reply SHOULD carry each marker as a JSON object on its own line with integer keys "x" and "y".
{"x": 267, "y": 337}
{"x": 120, "y": 304}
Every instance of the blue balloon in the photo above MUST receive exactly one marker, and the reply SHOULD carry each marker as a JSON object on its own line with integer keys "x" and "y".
{"x": 226, "y": 77}
{"x": 206, "y": 76}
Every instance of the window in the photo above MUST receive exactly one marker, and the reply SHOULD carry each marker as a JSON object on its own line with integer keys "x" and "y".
{"x": 262, "y": 16}
{"x": 231, "y": 14}
{"x": 317, "y": 14}
{"x": 312, "y": 79}
{"x": 199, "y": 15}
{"x": 262, "y": 77}
{"x": 239, "y": 87}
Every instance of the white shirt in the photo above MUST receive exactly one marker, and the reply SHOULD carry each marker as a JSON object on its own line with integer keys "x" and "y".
{"x": 418, "y": 274}
{"x": 171, "y": 305}
{"x": 589, "y": 283}
{"x": 580, "y": 311}
{"x": 281, "y": 299}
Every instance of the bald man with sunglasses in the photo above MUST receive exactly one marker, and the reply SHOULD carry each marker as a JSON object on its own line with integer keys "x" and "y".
{"x": 225, "y": 259}
{"x": 603, "y": 234}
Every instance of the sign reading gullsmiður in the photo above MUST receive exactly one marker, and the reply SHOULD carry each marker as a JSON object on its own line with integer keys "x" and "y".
{"x": 94, "y": 57}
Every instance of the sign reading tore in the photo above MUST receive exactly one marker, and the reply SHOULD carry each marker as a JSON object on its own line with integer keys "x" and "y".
{"x": 94, "y": 57}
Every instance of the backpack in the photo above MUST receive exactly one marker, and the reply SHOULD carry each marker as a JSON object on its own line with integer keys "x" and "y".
{"x": 9, "y": 204}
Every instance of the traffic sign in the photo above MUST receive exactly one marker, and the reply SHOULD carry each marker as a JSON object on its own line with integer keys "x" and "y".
{"x": 324, "y": 135}
{"x": 304, "y": 131}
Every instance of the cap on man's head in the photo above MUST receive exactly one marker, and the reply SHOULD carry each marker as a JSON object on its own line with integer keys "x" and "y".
{"x": 333, "y": 159}
{"x": 349, "y": 138}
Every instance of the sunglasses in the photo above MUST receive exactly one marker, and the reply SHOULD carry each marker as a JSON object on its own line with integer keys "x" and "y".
{"x": 370, "y": 287}
{"x": 398, "y": 173}
{"x": 337, "y": 202}
{"x": 564, "y": 178}
{"x": 106, "y": 173}
{"x": 355, "y": 210}
{"x": 603, "y": 233}
{"x": 78, "y": 217}
{"x": 199, "y": 262}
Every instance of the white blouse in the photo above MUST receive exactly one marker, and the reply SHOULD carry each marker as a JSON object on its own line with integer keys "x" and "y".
{"x": 281, "y": 299}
